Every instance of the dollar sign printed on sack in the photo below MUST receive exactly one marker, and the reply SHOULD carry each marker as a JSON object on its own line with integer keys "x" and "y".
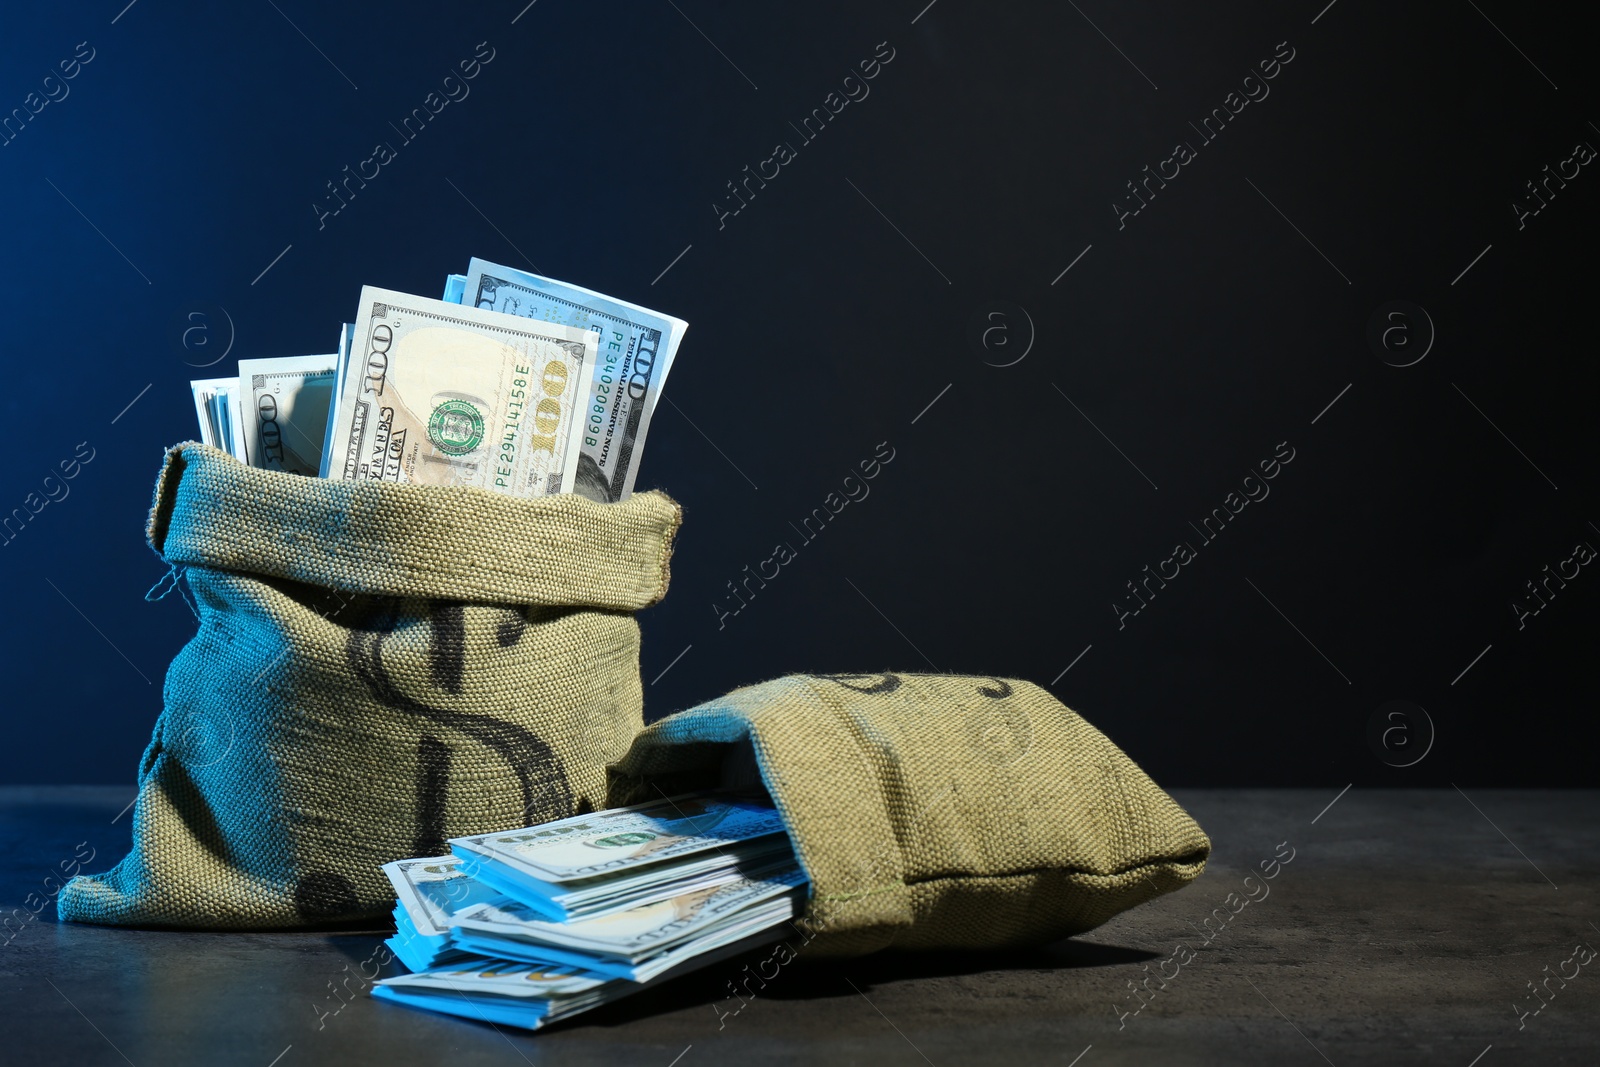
{"x": 433, "y": 780}
{"x": 886, "y": 683}
{"x": 1001, "y": 733}
{"x": 325, "y": 895}
{"x": 546, "y": 793}
{"x": 509, "y": 632}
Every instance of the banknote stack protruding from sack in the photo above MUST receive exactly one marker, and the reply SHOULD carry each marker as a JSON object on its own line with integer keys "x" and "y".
{"x": 530, "y": 926}
{"x": 460, "y": 391}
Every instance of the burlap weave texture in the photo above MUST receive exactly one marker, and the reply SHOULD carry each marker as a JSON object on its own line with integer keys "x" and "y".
{"x": 377, "y": 667}
{"x": 933, "y": 811}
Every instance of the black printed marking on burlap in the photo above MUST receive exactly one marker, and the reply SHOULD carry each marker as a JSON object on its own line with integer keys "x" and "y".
{"x": 510, "y": 629}
{"x": 546, "y": 794}
{"x": 447, "y": 655}
{"x": 886, "y": 683}
{"x": 433, "y": 782}
{"x": 997, "y": 694}
{"x": 323, "y": 896}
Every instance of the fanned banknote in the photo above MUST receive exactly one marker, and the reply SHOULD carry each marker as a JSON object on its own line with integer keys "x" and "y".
{"x": 203, "y": 390}
{"x": 512, "y": 994}
{"x": 533, "y": 995}
{"x": 461, "y": 391}
{"x": 347, "y": 334}
{"x": 635, "y": 351}
{"x": 607, "y": 843}
{"x": 216, "y": 404}
{"x": 443, "y": 914}
{"x": 286, "y": 403}
{"x": 689, "y": 881}
{"x": 642, "y": 942}
{"x": 443, "y": 394}
{"x": 612, "y": 860}
{"x": 429, "y": 892}
{"x": 507, "y": 979}
{"x": 454, "y": 286}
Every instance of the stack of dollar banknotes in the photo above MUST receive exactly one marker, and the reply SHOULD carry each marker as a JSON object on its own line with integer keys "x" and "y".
{"x": 460, "y": 391}
{"x": 528, "y": 927}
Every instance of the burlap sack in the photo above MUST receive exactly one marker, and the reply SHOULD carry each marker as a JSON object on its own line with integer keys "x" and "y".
{"x": 932, "y": 811}
{"x": 378, "y": 667}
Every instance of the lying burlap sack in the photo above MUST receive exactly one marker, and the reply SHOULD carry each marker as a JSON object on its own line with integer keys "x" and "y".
{"x": 932, "y": 811}
{"x": 378, "y": 667}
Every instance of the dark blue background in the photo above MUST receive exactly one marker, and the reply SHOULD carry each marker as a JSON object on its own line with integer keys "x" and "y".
{"x": 1196, "y": 338}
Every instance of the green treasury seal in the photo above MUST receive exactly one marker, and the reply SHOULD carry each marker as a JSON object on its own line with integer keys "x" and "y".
{"x": 455, "y": 428}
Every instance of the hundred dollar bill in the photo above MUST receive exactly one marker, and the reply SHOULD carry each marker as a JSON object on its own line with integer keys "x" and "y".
{"x": 537, "y": 994}
{"x": 286, "y": 405}
{"x": 227, "y": 409}
{"x": 442, "y": 394}
{"x": 203, "y": 389}
{"x": 430, "y": 891}
{"x": 433, "y": 889}
{"x": 636, "y": 349}
{"x": 640, "y": 933}
{"x": 758, "y": 925}
{"x": 607, "y": 843}
{"x": 504, "y": 993}
{"x": 507, "y": 979}
{"x": 454, "y": 286}
{"x": 664, "y": 869}
{"x": 347, "y": 334}
{"x": 216, "y": 403}
{"x": 571, "y": 901}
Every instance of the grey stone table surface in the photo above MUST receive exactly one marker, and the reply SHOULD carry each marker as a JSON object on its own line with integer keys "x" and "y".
{"x": 1407, "y": 927}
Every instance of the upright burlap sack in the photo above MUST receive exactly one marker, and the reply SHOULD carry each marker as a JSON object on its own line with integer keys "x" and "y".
{"x": 378, "y": 667}
{"x": 932, "y": 811}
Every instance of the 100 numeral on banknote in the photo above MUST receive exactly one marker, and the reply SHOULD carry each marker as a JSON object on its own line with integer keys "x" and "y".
{"x": 635, "y": 346}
